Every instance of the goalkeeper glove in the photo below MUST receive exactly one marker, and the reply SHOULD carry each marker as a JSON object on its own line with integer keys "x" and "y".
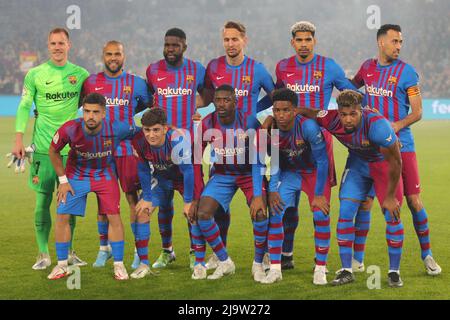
{"x": 20, "y": 163}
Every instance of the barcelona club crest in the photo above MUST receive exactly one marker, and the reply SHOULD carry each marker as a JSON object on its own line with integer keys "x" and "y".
{"x": 189, "y": 78}
{"x": 392, "y": 80}
{"x": 317, "y": 75}
{"x": 73, "y": 80}
{"x": 35, "y": 180}
{"x": 365, "y": 143}
{"x": 107, "y": 143}
{"x": 299, "y": 142}
{"x": 246, "y": 79}
{"x": 127, "y": 89}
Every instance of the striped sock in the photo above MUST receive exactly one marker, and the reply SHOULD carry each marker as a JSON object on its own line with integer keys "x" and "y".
{"x": 62, "y": 250}
{"x": 290, "y": 224}
{"x": 223, "y": 220}
{"x": 165, "y": 217}
{"x": 142, "y": 237}
{"x": 420, "y": 220}
{"x": 346, "y": 231}
{"x": 321, "y": 237}
{"x": 260, "y": 238}
{"x": 362, "y": 226}
{"x": 199, "y": 244}
{"x": 275, "y": 238}
{"x": 102, "y": 227}
{"x": 192, "y": 246}
{"x": 117, "y": 248}
{"x": 211, "y": 233}
{"x": 394, "y": 238}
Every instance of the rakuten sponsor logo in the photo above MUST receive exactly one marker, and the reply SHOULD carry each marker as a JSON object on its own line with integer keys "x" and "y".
{"x": 303, "y": 88}
{"x": 241, "y": 93}
{"x": 378, "y": 92}
{"x": 110, "y": 102}
{"x": 90, "y": 155}
{"x": 174, "y": 92}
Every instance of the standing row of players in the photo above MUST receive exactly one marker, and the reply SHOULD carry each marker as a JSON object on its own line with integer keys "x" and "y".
{"x": 391, "y": 86}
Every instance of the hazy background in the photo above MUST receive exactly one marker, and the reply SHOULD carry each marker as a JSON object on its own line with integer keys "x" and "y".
{"x": 342, "y": 32}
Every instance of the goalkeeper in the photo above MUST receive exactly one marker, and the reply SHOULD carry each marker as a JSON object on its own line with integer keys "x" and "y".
{"x": 54, "y": 87}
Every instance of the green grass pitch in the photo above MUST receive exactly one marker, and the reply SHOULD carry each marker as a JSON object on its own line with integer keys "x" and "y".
{"x": 19, "y": 281}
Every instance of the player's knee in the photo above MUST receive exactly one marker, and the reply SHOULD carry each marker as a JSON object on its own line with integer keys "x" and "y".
{"x": 414, "y": 203}
{"x": 204, "y": 215}
{"x": 114, "y": 220}
{"x": 260, "y": 216}
{"x": 366, "y": 205}
{"x": 348, "y": 209}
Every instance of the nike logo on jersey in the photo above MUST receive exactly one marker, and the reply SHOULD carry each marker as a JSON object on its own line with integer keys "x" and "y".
{"x": 369, "y": 74}
{"x": 389, "y": 139}
{"x": 79, "y": 145}
{"x": 220, "y": 78}
{"x": 160, "y": 79}
{"x": 290, "y": 74}
{"x": 49, "y": 82}
{"x": 417, "y": 186}
{"x": 96, "y": 89}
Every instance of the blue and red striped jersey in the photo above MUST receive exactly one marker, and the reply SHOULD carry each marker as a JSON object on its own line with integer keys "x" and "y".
{"x": 302, "y": 149}
{"x": 171, "y": 161}
{"x": 91, "y": 156}
{"x": 313, "y": 82}
{"x": 123, "y": 95}
{"x": 386, "y": 90}
{"x": 248, "y": 79}
{"x": 373, "y": 132}
{"x": 175, "y": 89}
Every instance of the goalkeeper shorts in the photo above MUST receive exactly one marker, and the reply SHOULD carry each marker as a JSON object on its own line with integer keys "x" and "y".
{"x": 42, "y": 174}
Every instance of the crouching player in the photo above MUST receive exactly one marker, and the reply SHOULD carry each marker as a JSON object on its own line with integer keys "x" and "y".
{"x": 231, "y": 136}
{"x": 164, "y": 165}
{"x": 301, "y": 148}
{"x": 90, "y": 168}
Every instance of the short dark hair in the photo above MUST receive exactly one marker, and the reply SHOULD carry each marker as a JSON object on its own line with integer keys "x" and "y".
{"x": 235, "y": 25}
{"x": 59, "y": 30}
{"x": 154, "y": 116}
{"x": 349, "y": 98}
{"x": 95, "y": 98}
{"x": 386, "y": 27}
{"x": 285, "y": 94}
{"x": 176, "y": 32}
{"x": 225, "y": 87}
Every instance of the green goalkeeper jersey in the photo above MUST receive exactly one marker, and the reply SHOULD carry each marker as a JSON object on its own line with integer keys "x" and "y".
{"x": 55, "y": 92}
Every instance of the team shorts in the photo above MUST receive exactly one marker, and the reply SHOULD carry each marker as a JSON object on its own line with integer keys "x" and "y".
{"x": 410, "y": 173}
{"x": 163, "y": 191}
{"x": 126, "y": 167}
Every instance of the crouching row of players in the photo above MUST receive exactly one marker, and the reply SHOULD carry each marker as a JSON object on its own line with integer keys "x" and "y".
{"x": 299, "y": 161}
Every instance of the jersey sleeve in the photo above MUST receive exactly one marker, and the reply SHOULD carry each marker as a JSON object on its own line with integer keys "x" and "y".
{"x": 411, "y": 77}
{"x": 182, "y": 150}
{"x": 257, "y": 161}
{"x": 26, "y": 101}
{"x": 208, "y": 77}
{"x": 201, "y": 73}
{"x": 314, "y": 136}
{"x": 381, "y": 133}
{"x": 62, "y": 137}
{"x": 358, "y": 79}
{"x": 279, "y": 84}
{"x": 144, "y": 171}
{"x": 326, "y": 118}
{"x": 142, "y": 95}
{"x": 124, "y": 130}
{"x": 148, "y": 75}
{"x": 266, "y": 80}
{"x": 340, "y": 81}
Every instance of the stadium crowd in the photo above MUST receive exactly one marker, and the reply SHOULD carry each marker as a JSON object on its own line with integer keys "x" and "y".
{"x": 140, "y": 26}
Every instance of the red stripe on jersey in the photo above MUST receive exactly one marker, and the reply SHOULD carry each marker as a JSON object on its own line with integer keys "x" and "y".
{"x": 121, "y": 110}
{"x": 385, "y": 85}
{"x": 322, "y": 93}
{"x": 130, "y": 110}
{"x": 394, "y": 96}
{"x": 249, "y": 97}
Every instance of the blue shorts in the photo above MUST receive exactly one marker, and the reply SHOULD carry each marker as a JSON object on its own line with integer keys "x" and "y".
{"x": 289, "y": 189}
{"x": 362, "y": 179}
{"x": 107, "y": 192}
{"x": 222, "y": 189}
{"x": 163, "y": 191}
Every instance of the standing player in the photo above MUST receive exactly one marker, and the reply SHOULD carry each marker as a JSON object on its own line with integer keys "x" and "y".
{"x": 54, "y": 87}
{"x": 90, "y": 168}
{"x": 392, "y": 87}
{"x": 312, "y": 77}
{"x": 161, "y": 171}
{"x": 301, "y": 149}
{"x": 247, "y": 76}
{"x": 174, "y": 81}
{"x": 125, "y": 95}
{"x": 232, "y": 137}
{"x": 374, "y": 161}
